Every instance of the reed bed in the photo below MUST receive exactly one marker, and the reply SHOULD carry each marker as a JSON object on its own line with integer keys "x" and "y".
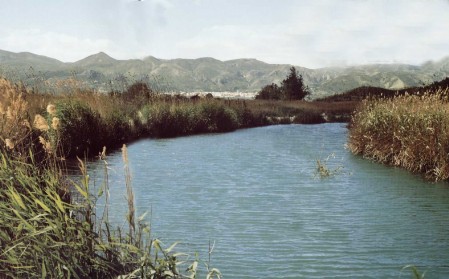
{"x": 49, "y": 226}
{"x": 89, "y": 120}
{"x": 303, "y": 112}
{"x": 47, "y": 234}
{"x": 409, "y": 131}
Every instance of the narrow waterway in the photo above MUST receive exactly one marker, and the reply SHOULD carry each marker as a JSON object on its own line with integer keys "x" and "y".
{"x": 257, "y": 195}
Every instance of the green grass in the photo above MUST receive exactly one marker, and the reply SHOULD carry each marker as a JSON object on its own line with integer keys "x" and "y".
{"x": 49, "y": 229}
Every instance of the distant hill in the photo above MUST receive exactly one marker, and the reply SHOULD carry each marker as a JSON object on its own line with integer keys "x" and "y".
{"x": 104, "y": 73}
{"x": 360, "y": 93}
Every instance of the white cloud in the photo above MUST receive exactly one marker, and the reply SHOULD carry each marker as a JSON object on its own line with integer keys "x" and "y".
{"x": 62, "y": 46}
{"x": 306, "y": 33}
{"x": 123, "y": 29}
{"x": 325, "y": 33}
{"x": 229, "y": 42}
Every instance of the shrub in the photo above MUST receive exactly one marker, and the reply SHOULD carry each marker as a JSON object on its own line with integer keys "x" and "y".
{"x": 218, "y": 118}
{"x": 270, "y": 92}
{"x": 81, "y": 129}
{"x": 153, "y": 117}
{"x": 138, "y": 92}
{"x": 169, "y": 120}
{"x": 309, "y": 117}
{"x": 247, "y": 118}
{"x": 116, "y": 129}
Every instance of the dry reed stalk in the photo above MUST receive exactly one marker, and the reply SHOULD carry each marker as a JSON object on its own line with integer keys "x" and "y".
{"x": 15, "y": 127}
{"x": 129, "y": 194}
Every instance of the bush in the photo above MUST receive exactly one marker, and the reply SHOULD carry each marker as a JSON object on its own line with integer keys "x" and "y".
{"x": 309, "y": 117}
{"x": 218, "y": 118}
{"x": 270, "y": 92}
{"x": 153, "y": 118}
{"x": 116, "y": 129}
{"x": 170, "y": 120}
{"x": 248, "y": 119}
{"x": 81, "y": 129}
{"x": 138, "y": 92}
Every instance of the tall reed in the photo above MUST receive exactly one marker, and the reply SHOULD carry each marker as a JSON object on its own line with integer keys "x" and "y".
{"x": 407, "y": 131}
{"x": 49, "y": 226}
{"x": 43, "y": 235}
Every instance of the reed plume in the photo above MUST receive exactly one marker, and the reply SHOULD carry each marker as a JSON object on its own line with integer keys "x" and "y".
{"x": 40, "y": 123}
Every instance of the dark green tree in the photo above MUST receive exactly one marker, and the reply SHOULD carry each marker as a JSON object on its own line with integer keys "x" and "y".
{"x": 270, "y": 92}
{"x": 293, "y": 87}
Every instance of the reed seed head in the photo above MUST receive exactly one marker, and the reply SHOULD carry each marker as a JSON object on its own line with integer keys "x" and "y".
{"x": 51, "y": 109}
{"x": 9, "y": 143}
{"x": 40, "y": 123}
{"x": 55, "y": 123}
{"x": 45, "y": 144}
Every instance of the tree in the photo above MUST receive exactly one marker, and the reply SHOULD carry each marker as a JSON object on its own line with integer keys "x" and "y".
{"x": 270, "y": 92}
{"x": 293, "y": 87}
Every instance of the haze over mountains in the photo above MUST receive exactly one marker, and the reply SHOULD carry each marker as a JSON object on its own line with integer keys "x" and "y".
{"x": 104, "y": 73}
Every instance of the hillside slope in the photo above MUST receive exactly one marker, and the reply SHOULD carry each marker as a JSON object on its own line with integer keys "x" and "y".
{"x": 104, "y": 73}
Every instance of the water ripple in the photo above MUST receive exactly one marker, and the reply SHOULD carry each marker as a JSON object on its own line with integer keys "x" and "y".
{"x": 255, "y": 192}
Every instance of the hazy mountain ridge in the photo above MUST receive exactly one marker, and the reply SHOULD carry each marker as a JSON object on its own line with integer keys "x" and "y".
{"x": 102, "y": 72}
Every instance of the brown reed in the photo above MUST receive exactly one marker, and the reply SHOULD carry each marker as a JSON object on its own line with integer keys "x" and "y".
{"x": 409, "y": 131}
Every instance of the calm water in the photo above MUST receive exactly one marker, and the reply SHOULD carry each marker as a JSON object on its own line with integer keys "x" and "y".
{"x": 255, "y": 193}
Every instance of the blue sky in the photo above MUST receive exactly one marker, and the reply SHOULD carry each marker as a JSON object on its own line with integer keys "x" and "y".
{"x": 309, "y": 33}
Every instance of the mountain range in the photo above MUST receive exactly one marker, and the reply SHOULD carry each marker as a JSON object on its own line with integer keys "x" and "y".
{"x": 104, "y": 73}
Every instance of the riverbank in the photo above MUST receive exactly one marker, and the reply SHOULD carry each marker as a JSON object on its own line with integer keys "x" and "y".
{"x": 49, "y": 227}
{"x": 46, "y": 233}
{"x": 86, "y": 120}
{"x": 46, "y": 212}
{"x": 409, "y": 131}
{"x": 260, "y": 191}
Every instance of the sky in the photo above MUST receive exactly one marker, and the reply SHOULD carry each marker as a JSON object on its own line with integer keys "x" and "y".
{"x": 307, "y": 33}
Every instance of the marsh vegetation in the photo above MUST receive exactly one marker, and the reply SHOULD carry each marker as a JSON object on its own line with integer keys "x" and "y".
{"x": 408, "y": 131}
{"x": 50, "y": 227}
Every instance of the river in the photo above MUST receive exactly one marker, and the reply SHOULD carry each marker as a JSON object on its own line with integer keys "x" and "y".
{"x": 256, "y": 194}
